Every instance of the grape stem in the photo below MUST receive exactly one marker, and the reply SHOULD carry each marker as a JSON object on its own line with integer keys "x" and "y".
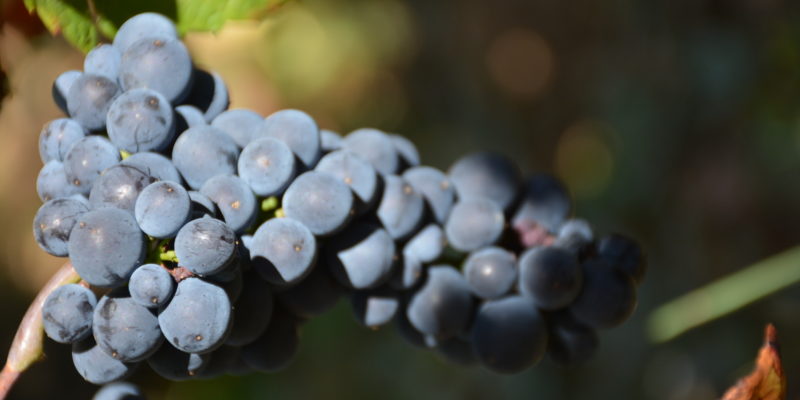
{"x": 28, "y": 344}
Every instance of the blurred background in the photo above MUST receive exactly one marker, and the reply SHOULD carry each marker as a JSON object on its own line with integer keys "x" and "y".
{"x": 674, "y": 121}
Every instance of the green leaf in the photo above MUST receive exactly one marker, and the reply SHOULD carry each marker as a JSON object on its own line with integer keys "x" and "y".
{"x": 86, "y": 26}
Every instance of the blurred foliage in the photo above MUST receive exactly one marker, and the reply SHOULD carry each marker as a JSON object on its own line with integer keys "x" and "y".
{"x": 674, "y": 121}
{"x": 85, "y": 23}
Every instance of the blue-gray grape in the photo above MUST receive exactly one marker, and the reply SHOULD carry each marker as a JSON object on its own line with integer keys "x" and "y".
{"x": 205, "y": 246}
{"x": 490, "y": 272}
{"x": 119, "y": 391}
{"x": 103, "y": 60}
{"x": 61, "y": 87}
{"x": 435, "y": 187}
{"x": 119, "y": 186}
{"x": 544, "y": 201}
{"x": 267, "y": 165}
{"x": 53, "y": 224}
{"x": 298, "y": 130}
{"x": 355, "y": 172}
{"x": 442, "y": 307}
{"x": 97, "y": 366}
{"x": 624, "y": 254}
{"x": 234, "y": 199}
{"x": 89, "y": 98}
{"x": 608, "y": 296}
{"x": 375, "y": 308}
{"x": 155, "y": 165}
{"x": 140, "y": 120}
{"x": 408, "y": 153}
{"x": 401, "y": 209}
{"x": 151, "y": 286}
{"x": 87, "y": 159}
{"x": 488, "y": 176}
{"x": 105, "y": 246}
{"x": 208, "y": 93}
{"x": 319, "y": 201}
{"x": 162, "y": 64}
{"x": 141, "y": 26}
{"x": 125, "y": 329}
{"x": 474, "y": 223}
{"x": 251, "y": 312}
{"x": 509, "y": 335}
{"x": 314, "y": 295}
{"x": 329, "y": 140}
{"x": 362, "y": 256}
{"x": 283, "y": 251}
{"x": 67, "y": 313}
{"x": 240, "y": 124}
{"x": 192, "y": 116}
{"x": 162, "y": 209}
{"x": 57, "y": 137}
{"x": 202, "y": 152}
{"x": 376, "y": 147}
{"x": 175, "y": 365}
{"x": 551, "y": 276}
{"x": 198, "y": 318}
{"x": 52, "y": 182}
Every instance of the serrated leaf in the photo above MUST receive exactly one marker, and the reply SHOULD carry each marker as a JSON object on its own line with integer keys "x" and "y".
{"x": 73, "y": 19}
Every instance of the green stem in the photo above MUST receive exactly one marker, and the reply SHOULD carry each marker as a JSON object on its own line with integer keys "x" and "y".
{"x": 168, "y": 256}
{"x": 724, "y": 295}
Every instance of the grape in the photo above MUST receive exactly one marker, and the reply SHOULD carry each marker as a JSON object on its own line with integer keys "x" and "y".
{"x": 401, "y": 208}
{"x": 175, "y": 365}
{"x": 406, "y": 150}
{"x": 231, "y": 281}
{"x": 457, "y": 351}
{"x": 205, "y": 246}
{"x": 240, "y": 124}
{"x": 355, "y": 172}
{"x": 198, "y": 318}
{"x": 314, "y": 295}
{"x": 574, "y": 234}
{"x": 374, "y": 308}
{"x": 103, "y": 60}
{"x": 96, "y": 366}
{"x": 159, "y": 63}
{"x": 407, "y": 331}
{"x": 155, "y": 165}
{"x": 274, "y": 349}
{"x": 140, "y": 120}
{"x": 267, "y": 165}
{"x": 89, "y": 98}
{"x": 105, "y": 246}
{"x": 298, "y": 130}
{"x": 425, "y": 247}
{"x": 509, "y": 335}
{"x": 209, "y": 94}
{"x": 234, "y": 199}
{"x": 608, "y": 296}
{"x": 202, "y": 206}
{"x": 544, "y": 201}
{"x": 490, "y": 272}
{"x": 53, "y": 223}
{"x": 119, "y": 391}
{"x": 151, "y": 286}
{"x": 376, "y": 147}
{"x": 362, "y": 256}
{"x": 125, "y": 329}
{"x": 624, "y": 254}
{"x": 319, "y": 201}
{"x": 329, "y": 141}
{"x": 551, "y": 276}
{"x": 52, "y": 182}
{"x": 435, "y": 187}
{"x": 57, "y": 137}
{"x": 67, "y": 313}
{"x": 192, "y": 116}
{"x": 119, "y": 186}
{"x": 251, "y": 312}
{"x": 86, "y": 159}
{"x": 202, "y": 152}
{"x": 283, "y": 251}
{"x": 570, "y": 342}
{"x": 474, "y": 223}
{"x": 144, "y": 25}
{"x": 442, "y": 307}
{"x": 162, "y": 208}
{"x": 61, "y": 87}
{"x": 487, "y": 176}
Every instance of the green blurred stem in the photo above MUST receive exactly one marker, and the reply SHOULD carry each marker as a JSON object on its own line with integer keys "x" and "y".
{"x": 28, "y": 343}
{"x": 724, "y": 296}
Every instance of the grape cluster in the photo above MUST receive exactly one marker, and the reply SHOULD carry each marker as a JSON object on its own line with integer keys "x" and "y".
{"x": 210, "y": 234}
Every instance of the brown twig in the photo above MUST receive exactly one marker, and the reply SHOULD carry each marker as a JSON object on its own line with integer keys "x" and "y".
{"x": 27, "y": 346}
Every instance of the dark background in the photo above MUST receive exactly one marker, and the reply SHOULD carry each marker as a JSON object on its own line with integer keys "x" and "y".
{"x": 675, "y": 122}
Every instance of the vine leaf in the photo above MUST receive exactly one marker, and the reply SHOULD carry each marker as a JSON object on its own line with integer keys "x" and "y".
{"x": 85, "y": 23}
{"x": 767, "y": 381}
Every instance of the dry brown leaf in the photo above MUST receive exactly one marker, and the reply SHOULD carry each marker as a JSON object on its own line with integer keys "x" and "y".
{"x": 767, "y": 381}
